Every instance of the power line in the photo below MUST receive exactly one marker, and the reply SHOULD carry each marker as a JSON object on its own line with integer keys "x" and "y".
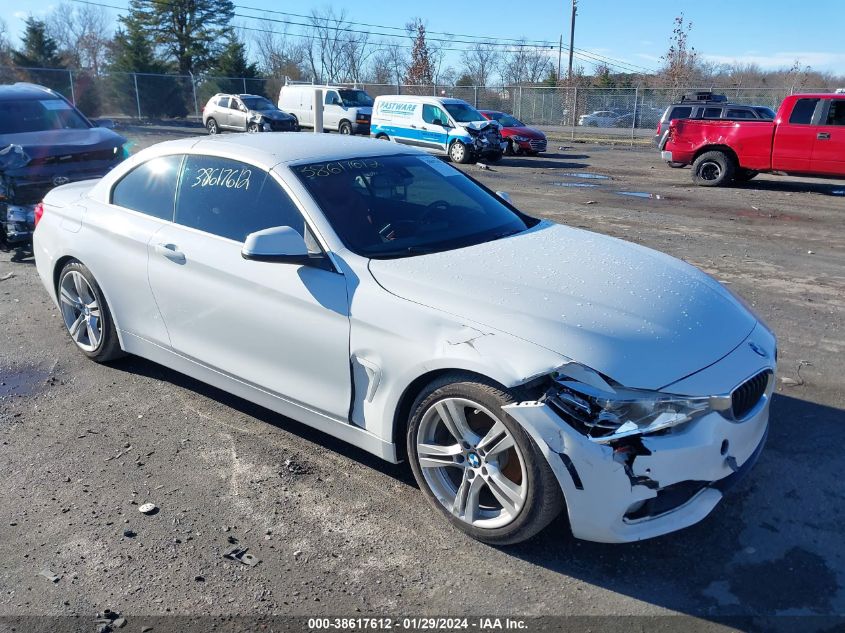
{"x": 589, "y": 57}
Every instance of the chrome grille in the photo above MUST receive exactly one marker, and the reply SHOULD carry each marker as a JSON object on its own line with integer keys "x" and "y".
{"x": 537, "y": 145}
{"x": 745, "y": 397}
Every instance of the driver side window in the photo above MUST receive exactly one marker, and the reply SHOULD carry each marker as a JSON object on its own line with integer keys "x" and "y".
{"x": 234, "y": 104}
{"x": 332, "y": 98}
{"x": 432, "y": 114}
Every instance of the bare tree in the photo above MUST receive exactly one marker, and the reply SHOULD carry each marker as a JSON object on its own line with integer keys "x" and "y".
{"x": 389, "y": 63}
{"x": 82, "y": 32}
{"x": 480, "y": 62}
{"x": 335, "y": 51}
{"x": 5, "y": 44}
{"x": 525, "y": 64}
{"x": 280, "y": 56}
{"x": 680, "y": 61}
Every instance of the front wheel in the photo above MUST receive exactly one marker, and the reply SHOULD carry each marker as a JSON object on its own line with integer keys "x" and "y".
{"x": 510, "y": 149}
{"x": 86, "y": 315}
{"x": 713, "y": 169}
{"x": 476, "y": 465}
{"x": 253, "y": 127}
{"x": 345, "y": 128}
{"x": 458, "y": 153}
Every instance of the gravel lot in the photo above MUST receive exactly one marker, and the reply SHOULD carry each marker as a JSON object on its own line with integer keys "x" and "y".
{"x": 338, "y": 532}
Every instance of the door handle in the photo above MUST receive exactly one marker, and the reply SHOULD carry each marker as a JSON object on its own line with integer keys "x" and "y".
{"x": 171, "y": 252}
{"x": 823, "y": 136}
{"x": 413, "y": 126}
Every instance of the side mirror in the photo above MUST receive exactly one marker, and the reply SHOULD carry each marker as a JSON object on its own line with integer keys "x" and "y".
{"x": 504, "y": 195}
{"x": 279, "y": 244}
{"x": 105, "y": 123}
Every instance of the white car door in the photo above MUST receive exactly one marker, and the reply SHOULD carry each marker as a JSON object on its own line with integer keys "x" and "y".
{"x": 141, "y": 204}
{"x": 281, "y": 327}
{"x": 333, "y": 110}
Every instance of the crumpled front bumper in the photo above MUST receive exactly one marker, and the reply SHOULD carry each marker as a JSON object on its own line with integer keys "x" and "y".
{"x": 17, "y": 221}
{"x": 673, "y": 481}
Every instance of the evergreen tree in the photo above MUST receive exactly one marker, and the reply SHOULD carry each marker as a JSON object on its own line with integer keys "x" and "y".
{"x": 188, "y": 31}
{"x": 231, "y": 65}
{"x": 39, "y": 49}
{"x": 421, "y": 71}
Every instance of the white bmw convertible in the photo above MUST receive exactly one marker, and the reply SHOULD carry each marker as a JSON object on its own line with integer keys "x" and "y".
{"x": 380, "y": 295}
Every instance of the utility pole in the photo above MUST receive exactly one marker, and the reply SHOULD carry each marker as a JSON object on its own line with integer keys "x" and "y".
{"x": 559, "y": 52}
{"x": 572, "y": 36}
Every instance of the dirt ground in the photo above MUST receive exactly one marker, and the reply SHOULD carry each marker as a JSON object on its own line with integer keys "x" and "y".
{"x": 338, "y": 532}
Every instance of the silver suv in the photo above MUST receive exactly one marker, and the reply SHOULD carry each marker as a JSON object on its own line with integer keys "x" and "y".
{"x": 245, "y": 113}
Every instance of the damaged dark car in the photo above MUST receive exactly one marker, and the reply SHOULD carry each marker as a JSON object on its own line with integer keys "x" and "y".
{"x": 45, "y": 142}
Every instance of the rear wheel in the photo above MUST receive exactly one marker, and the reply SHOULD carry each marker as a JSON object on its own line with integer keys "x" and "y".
{"x": 296, "y": 127}
{"x": 86, "y": 314}
{"x": 476, "y": 465}
{"x": 382, "y": 137}
{"x": 458, "y": 152}
{"x": 713, "y": 169}
{"x": 345, "y": 128}
{"x": 211, "y": 126}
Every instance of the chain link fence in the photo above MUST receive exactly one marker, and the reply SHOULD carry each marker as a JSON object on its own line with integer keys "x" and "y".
{"x": 563, "y": 112}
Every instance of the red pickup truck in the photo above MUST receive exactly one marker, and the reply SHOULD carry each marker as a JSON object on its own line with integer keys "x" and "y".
{"x": 806, "y": 138}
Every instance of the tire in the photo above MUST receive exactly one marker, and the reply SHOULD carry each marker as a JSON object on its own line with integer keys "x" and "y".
{"x": 744, "y": 175}
{"x": 509, "y": 150}
{"x": 211, "y": 126}
{"x": 676, "y": 165}
{"x": 296, "y": 127}
{"x": 345, "y": 128}
{"x": 500, "y": 498}
{"x": 494, "y": 158}
{"x": 530, "y": 153}
{"x": 713, "y": 169}
{"x": 86, "y": 314}
{"x": 382, "y": 137}
{"x": 253, "y": 128}
{"x": 458, "y": 153}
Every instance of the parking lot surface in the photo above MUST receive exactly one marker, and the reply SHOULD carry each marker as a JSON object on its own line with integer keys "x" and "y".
{"x": 339, "y": 532}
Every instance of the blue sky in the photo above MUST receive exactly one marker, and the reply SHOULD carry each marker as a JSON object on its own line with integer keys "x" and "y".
{"x": 771, "y": 33}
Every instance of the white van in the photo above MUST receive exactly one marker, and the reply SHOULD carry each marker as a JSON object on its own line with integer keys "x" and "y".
{"x": 345, "y": 110}
{"x": 439, "y": 125}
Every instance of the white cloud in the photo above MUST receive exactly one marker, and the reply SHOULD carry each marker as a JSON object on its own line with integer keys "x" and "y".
{"x": 831, "y": 62}
{"x": 21, "y": 15}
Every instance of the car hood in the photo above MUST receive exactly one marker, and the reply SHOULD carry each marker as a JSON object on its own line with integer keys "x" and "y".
{"x": 479, "y": 125}
{"x": 530, "y": 132}
{"x": 641, "y": 317}
{"x": 275, "y": 115}
{"x": 48, "y": 143}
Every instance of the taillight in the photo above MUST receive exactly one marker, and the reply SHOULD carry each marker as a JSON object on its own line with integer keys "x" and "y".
{"x": 39, "y": 211}
{"x": 658, "y": 128}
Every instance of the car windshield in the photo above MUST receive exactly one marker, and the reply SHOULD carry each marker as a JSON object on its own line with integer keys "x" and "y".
{"x": 258, "y": 103}
{"x": 507, "y": 120}
{"x": 355, "y": 99}
{"x": 38, "y": 115}
{"x": 463, "y": 112}
{"x": 403, "y": 205}
{"x": 765, "y": 113}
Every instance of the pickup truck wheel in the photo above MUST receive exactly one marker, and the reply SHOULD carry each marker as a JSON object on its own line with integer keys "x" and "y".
{"x": 476, "y": 465}
{"x": 744, "y": 175}
{"x": 713, "y": 169}
{"x": 676, "y": 165}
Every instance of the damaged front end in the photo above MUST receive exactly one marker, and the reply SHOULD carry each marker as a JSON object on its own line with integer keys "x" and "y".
{"x": 16, "y": 220}
{"x": 634, "y": 464}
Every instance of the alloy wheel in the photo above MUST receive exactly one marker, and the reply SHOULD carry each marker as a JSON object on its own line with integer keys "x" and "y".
{"x": 80, "y": 311}
{"x": 711, "y": 170}
{"x": 472, "y": 463}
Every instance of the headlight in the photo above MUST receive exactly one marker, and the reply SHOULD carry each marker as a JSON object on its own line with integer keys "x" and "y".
{"x": 607, "y": 415}
{"x": 521, "y": 139}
